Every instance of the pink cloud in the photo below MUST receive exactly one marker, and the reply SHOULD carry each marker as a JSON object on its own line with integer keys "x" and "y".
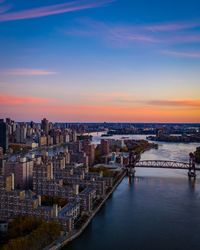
{"x": 184, "y": 38}
{"x": 27, "y": 72}
{"x": 186, "y": 54}
{"x": 122, "y": 34}
{"x": 164, "y": 27}
{"x": 10, "y": 100}
{"x": 54, "y": 9}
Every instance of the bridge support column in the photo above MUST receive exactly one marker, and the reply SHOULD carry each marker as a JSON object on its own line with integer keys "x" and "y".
{"x": 133, "y": 158}
{"x": 192, "y": 167}
{"x": 131, "y": 171}
{"x": 191, "y": 173}
{"x": 131, "y": 174}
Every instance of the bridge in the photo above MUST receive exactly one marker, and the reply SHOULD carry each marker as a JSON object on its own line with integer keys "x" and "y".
{"x": 163, "y": 164}
{"x": 134, "y": 162}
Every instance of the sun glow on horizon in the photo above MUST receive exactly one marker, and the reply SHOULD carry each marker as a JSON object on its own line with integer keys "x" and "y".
{"x": 93, "y": 61}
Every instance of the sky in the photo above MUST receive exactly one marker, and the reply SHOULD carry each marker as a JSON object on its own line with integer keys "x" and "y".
{"x": 100, "y": 60}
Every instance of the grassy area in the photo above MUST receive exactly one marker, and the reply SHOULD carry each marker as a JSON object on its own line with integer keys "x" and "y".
{"x": 49, "y": 201}
{"x": 19, "y": 148}
{"x": 102, "y": 169}
{"x": 29, "y": 233}
{"x": 138, "y": 147}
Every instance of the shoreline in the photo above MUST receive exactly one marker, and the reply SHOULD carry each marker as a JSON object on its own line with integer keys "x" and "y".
{"x": 58, "y": 244}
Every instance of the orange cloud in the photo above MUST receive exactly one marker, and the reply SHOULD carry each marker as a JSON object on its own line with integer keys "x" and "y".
{"x": 102, "y": 113}
{"x": 27, "y": 108}
{"x": 20, "y": 100}
{"x": 176, "y": 103}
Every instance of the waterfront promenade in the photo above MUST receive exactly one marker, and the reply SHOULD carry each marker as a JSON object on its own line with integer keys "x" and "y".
{"x": 64, "y": 240}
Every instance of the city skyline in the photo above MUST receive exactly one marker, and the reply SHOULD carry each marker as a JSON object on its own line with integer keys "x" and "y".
{"x": 96, "y": 61}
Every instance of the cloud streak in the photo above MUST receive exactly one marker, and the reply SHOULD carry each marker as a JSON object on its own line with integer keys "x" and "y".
{"x": 99, "y": 113}
{"x": 32, "y": 107}
{"x": 175, "y": 103}
{"x": 183, "y": 54}
{"x": 164, "y": 27}
{"x": 27, "y": 72}
{"x": 122, "y": 34}
{"x": 11, "y": 100}
{"x": 54, "y": 9}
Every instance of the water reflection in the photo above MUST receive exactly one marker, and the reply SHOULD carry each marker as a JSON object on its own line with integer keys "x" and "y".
{"x": 158, "y": 209}
{"x": 192, "y": 182}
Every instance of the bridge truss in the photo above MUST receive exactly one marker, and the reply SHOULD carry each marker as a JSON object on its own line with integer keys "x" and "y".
{"x": 163, "y": 164}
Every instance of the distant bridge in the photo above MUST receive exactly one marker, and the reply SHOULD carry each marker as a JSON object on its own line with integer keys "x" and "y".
{"x": 134, "y": 162}
{"x": 163, "y": 164}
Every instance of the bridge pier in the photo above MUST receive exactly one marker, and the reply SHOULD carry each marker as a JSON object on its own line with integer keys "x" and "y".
{"x": 192, "y": 167}
{"x": 133, "y": 158}
{"x": 191, "y": 174}
{"x": 131, "y": 172}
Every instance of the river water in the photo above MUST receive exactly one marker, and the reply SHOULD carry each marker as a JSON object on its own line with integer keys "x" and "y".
{"x": 159, "y": 210}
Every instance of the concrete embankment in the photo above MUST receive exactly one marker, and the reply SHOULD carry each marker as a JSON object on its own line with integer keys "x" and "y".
{"x": 61, "y": 242}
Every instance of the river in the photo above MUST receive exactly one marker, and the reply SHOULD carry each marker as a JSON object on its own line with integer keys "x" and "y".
{"x": 159, "y": 210}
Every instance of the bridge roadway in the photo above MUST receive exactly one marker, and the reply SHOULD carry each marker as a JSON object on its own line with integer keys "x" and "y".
{"x": 163, "y": 164}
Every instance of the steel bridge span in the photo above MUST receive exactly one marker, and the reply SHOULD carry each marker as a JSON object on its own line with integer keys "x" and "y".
{"x": 134, "y": 162}
{"x": 163, "y": 164}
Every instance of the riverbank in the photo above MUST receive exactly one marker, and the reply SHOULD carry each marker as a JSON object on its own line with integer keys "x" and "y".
{"x": 197, "y": 155}
{"x": 64, "y": 240}
{"x": 176, "y": 139}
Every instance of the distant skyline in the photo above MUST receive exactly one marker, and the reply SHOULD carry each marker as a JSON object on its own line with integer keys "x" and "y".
{"x": 100, "y": 60}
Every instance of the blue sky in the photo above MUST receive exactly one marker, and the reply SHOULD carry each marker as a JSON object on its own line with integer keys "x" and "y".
{"x": 116, "y": 60}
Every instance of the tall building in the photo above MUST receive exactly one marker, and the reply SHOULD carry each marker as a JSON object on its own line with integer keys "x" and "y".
{"x": 23, "y": 131}
{"x": 1, "y": 152}
{"x": 105, "y": 147}
{"x": 3, "y": 135}
{"x": 45, "y": 126}
{"x": 89, "y": 149}
{"x": 17, "y": 134}
{"x": 32, "y": 124}
{"x": 23, "y": 171}
{"x": 74, "y": 136}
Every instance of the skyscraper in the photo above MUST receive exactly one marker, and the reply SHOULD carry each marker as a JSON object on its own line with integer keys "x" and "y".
{"x": 105, "y": 148}
{"x": 3, "y": 135}
{"x": 45, "y": 126}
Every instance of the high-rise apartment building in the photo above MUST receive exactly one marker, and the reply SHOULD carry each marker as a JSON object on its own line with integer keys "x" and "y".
{"x": 89, "y": 149}
{"x": 105, "y": 147}
{"x": 3, "y": 135}
{"x": 45, "y": 126}
{"x": 23, "y": 171}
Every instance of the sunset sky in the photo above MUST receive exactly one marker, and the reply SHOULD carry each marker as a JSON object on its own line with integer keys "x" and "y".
{"x": 100, "y": 60}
